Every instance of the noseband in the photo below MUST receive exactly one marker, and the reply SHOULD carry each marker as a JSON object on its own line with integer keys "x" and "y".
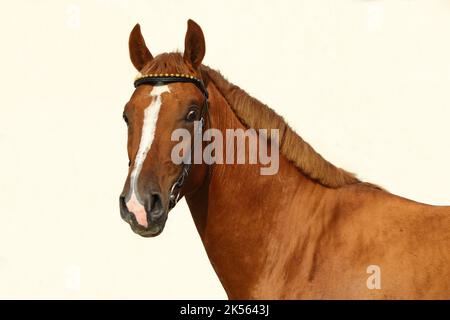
{"x": 166, "y": 78}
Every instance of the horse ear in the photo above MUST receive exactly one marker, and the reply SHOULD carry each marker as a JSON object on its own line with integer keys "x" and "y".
{"x": 194, "y": 44}
{"x": 139, "y": 53}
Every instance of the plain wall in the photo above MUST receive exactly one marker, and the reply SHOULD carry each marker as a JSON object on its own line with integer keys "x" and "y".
{"x": 364, "y": 82}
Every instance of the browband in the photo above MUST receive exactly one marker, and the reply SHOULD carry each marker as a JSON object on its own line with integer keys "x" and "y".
{"x": 163, "y": 78}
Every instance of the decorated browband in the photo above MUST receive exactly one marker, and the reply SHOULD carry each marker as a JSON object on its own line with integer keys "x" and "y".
{"x": 165, "y": 78}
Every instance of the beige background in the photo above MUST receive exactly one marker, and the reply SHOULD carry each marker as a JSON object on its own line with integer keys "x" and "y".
{"x": 367, "y": 83}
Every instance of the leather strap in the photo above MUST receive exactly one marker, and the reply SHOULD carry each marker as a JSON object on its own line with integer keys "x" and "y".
{"x": 155, "y": 80}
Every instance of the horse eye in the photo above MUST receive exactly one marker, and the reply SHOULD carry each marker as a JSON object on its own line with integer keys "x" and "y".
{"x": 191, "y": 115}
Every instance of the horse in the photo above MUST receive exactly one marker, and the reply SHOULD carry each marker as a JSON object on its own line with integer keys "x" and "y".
{"x": 310, "y": 231}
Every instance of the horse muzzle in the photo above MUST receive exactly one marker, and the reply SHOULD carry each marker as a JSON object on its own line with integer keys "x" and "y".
{"x": 146, "y": 218}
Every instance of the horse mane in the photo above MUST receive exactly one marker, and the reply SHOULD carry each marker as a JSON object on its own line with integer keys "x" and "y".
{"x": 254, "y": 114}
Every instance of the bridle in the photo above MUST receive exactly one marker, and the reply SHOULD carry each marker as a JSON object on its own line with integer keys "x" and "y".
{"x": 167, "y": 78}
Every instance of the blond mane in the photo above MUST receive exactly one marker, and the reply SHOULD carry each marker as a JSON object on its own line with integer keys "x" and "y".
{"x": 254, "y": 114}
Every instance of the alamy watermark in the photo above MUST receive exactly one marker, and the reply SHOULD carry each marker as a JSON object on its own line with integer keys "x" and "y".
{"x": 237, "y": 146}
{"x": 374, "y": 280}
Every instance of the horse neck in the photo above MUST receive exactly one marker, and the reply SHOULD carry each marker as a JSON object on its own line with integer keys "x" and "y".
{"x": 239, "y": 213}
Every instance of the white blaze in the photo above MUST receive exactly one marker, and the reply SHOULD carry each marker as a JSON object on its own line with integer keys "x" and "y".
{"x": 147, "y": 135}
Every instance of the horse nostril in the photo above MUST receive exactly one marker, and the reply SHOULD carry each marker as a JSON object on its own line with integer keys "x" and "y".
{"x": 123, "y": 208}
{"x": 155, "y": 207}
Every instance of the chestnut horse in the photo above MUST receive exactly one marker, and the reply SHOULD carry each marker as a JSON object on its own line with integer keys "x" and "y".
{"x": 311, "y": 231}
